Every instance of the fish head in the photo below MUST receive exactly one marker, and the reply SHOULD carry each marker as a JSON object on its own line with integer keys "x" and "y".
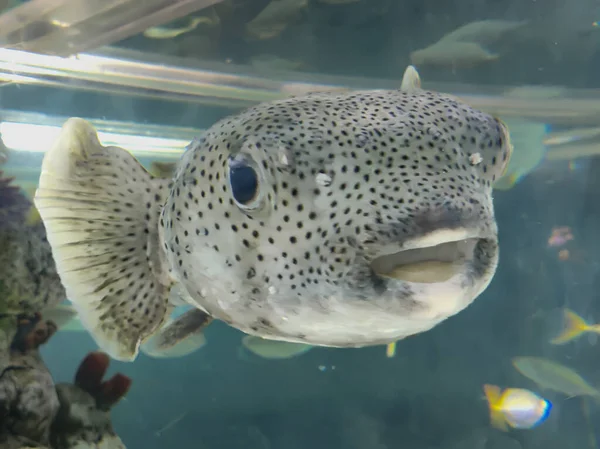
{"x": 319, "y": 218}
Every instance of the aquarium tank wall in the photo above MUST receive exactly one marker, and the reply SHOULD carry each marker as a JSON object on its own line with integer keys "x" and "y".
{"x": 281, "y": 224}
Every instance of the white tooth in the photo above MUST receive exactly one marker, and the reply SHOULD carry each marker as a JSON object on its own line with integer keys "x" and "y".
{"x": 424, "y": 272}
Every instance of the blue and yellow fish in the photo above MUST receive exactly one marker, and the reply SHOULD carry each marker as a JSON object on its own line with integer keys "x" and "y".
{"x": 515, "y": 407}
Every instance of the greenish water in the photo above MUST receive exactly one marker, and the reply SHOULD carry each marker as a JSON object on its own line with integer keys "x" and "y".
{"x": 429, "y": 395}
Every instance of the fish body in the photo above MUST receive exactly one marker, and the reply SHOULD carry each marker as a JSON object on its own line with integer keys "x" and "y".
{"x": 275, "y": 18}
{"x": 465, "y": 46}
{"x": 561, "y": 236}
{"x": 554, "y": 376}
{"x": 288, "y": 221}
{"x": 178, "y": 337}
{"x": 516, "y": 407}
{"x": 483, "y": 32}
{"x": 160, "y": 32}
{"x": 452, "y": 54}
{"x": 574, "y": 327}
{"x": 274, "y": 350}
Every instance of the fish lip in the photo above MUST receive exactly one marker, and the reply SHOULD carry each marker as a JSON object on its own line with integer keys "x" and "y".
{"x": 450, "y": 249}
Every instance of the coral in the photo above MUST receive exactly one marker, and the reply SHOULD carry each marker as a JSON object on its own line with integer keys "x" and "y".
{"x": 14, "y": 205}
{"x": 28, "y": 278}
{"x": 28, "y": 399}
{"x": 89, "y": 378}
{"x": 34, "y": 412}
{"x": 32, "y": 332}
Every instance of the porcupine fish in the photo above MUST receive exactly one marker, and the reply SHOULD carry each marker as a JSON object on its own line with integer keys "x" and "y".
{"x": 340, "y": 219}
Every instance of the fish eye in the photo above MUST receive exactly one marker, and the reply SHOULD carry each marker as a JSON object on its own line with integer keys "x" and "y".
{"x": 244, "y": 183}
{"x": 507, "y": 142}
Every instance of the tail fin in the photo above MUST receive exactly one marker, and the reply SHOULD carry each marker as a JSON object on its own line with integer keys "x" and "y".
{"x": 528, "y": 152}
{"x": 410, "y": 80}
{"x": 493, "y": 395}
{"x": 101, "y": 211}
{"x": 574, "y": 327}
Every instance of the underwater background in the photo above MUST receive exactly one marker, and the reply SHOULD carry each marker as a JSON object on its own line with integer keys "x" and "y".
{"x": 429, "y": 394}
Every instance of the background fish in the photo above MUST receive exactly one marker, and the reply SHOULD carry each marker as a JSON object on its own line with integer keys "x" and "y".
{"x": 276, "y": 16}
{"x": 516, "y": 407}
{"x": 554, "y": 376}
{"x": 452, "y": 54}
{"x": 483, "y": 32}
{"x": 163, "y": 32}
{"x": 574, "y": 327}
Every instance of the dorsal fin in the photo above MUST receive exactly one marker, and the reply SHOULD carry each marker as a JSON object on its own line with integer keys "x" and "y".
{"x": 410, "y": 79}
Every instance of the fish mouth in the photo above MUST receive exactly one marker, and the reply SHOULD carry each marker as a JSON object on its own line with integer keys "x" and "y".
{"x": 434, "y": 258}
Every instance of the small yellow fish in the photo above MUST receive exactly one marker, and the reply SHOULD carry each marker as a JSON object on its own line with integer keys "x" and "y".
{"x": 515, "y": 407}
{"x": 160, "y": 32}
{"x": 390, "y": 350}
{"x": 574, "y": 327}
